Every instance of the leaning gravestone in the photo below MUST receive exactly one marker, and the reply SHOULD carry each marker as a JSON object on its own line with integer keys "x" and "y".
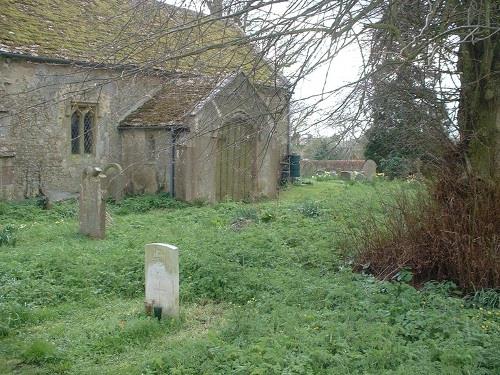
{"x": 162, "y": 279}
{"x": 92, "y": 205}
{"x": 346, "y": 175}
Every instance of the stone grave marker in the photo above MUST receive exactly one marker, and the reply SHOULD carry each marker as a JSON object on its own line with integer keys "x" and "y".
{"x": 346, "y": 175}
{"x": 115, "y": 181}
{"x": 92, "y": 204}
{"x": 162, "y": 279}
{"x": 359, "y": 176}
{"x": 369, "y": 169}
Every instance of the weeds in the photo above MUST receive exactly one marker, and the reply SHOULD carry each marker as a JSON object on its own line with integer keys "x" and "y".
{"x": 39, "y": 352}
{"x": 275, "y": 297}
{"x": 8, "y": 235}
{"x": 310, "y": 208}
{"x": 245, "y": 213}
{"x": 487, "y": 298}
{"x": 145, "y": 203}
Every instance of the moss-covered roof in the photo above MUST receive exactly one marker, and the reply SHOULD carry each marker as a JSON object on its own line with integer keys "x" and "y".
{"x": 146, "y": 33}
{"x": 171, "y": 104}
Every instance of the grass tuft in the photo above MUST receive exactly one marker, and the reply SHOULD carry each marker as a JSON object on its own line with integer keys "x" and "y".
{"x": 40, "y": 352}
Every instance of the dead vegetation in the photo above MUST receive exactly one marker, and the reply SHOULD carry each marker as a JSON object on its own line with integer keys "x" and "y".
{"x": 450, "y": 232}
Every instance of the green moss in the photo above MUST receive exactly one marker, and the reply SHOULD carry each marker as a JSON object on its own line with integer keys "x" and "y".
{"x": 147, "y": 33}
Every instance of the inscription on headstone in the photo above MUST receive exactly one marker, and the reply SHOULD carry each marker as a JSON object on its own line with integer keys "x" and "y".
{"x": 162, "y": 278}
{"x": 92, "y": 204}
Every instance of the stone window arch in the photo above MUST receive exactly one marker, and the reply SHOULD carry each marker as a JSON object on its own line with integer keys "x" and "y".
{"x": 83, "y": 129}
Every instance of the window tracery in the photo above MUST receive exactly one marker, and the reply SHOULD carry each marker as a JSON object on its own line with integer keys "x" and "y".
{"x": 83, "y": 129}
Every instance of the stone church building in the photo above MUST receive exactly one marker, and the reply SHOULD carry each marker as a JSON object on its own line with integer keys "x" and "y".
{"x": 141, "y": 84}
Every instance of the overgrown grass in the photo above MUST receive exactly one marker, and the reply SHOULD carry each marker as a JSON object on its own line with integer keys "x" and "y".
{"x": 275, "y": 296}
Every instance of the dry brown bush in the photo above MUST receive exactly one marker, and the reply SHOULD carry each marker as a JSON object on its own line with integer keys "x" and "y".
{"x": 450, "y": 232}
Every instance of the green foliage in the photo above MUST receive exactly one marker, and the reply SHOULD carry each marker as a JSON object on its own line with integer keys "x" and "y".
{"x": 145, "y": 203}
{"x": 487, "y": 298}
{"x": 245, "y": 213}
{"x": 8, "y": 235}
{"x": 267, "y": 216}
{"x": 408, "y": 120}
{"x": 276, "y": 297}
{"x": 396, "y": 167}
{"x": 39, "y": 352}
{"x": 310, "y": 208}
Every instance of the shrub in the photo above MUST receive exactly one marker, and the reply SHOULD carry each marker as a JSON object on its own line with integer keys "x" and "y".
{"x": 451, "y": 233}
{"x": 244, "y": 216}
{"x": 396, "y": 167}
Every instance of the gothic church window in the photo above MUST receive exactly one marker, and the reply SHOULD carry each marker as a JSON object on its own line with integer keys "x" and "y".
{"x": 83, "y": 129}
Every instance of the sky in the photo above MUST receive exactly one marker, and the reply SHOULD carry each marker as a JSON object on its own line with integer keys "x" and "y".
{"x": 344, "y": 68}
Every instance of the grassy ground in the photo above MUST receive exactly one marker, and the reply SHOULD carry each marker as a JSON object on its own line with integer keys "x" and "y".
{"x": 265, "y": 289}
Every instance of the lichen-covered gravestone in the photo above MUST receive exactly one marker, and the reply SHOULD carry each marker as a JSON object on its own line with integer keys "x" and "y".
{"x": 346, "y": 175}
{"x": 115, "y": 184}
{"x": 162, "y": 279}
{"x": 92, "y": 205}
{"x": 369, "y": 169}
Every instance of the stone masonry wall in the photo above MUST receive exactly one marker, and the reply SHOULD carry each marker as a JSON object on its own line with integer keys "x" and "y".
{"x": 36, "y": 99}
{"x": 198, "y": 149}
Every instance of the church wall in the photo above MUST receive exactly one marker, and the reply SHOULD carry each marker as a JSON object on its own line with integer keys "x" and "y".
{"x": 199, "y": 146}
{"x": 35, "y": 117}
{"x": 146, "y": 160}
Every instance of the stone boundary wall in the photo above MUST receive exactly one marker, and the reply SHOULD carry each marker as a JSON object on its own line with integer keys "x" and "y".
{"x": 310, "y": 167}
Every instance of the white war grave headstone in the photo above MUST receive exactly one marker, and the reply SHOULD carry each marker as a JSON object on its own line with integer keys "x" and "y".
{"x": 162, "y": 279}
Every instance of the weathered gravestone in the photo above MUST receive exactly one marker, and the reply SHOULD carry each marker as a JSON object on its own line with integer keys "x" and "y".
{"x": 369, "y": 169}
{"x": 358, "y": 176}
{"x": 92, "y": 205}
{"x": 162, "y": 279}
{"x": 115, "y": 182}
{"x": 346, "y": 175}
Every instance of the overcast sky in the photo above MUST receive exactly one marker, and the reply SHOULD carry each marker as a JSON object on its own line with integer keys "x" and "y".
{"x": 343, "y": 69}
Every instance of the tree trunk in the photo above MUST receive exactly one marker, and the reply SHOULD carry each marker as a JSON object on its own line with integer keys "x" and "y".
{"x": 479, "y": 111}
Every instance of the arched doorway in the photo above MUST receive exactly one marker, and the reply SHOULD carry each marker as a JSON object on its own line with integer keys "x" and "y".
{"x": 236, "y": 160}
